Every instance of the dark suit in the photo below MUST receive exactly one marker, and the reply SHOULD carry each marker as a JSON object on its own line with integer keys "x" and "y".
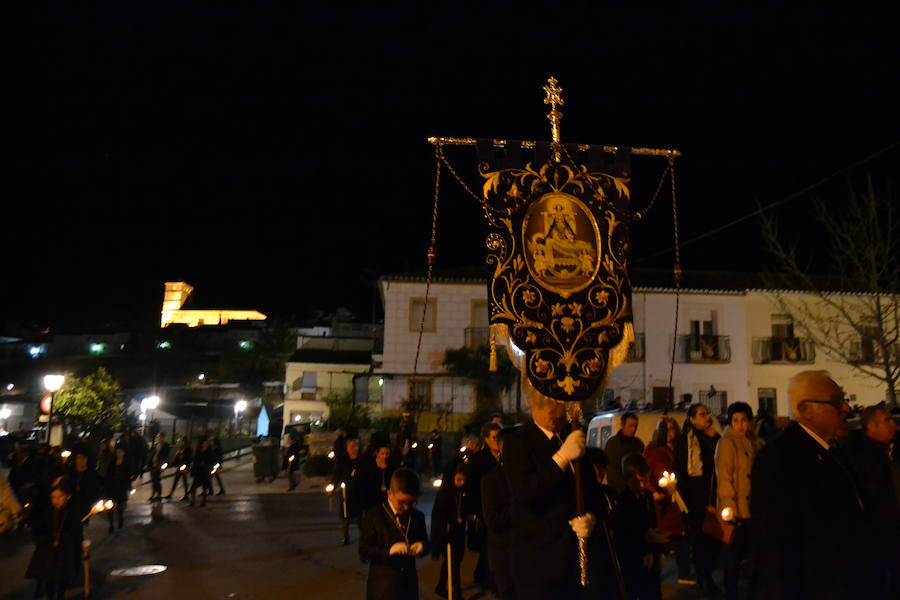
{"x": 390, "y": 577}
{"x": 809, "y": 534}
{"x": 159, "y": 455}
{"x": 482, "y": 463}
{"x": 545, "y": 554}
{"x": 496, "y": 507}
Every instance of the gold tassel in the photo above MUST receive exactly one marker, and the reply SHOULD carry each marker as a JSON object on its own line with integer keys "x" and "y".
{"x": 492, "y": 367}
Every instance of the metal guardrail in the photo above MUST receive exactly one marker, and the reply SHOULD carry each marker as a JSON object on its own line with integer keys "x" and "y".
{"x": 782, "y": 350}
{"x": 703, "y": 349}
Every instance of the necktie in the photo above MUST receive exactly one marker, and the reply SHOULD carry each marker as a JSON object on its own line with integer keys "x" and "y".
{"x": 557, "y": 441}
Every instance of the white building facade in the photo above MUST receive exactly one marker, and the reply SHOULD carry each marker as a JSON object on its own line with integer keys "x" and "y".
{"x": 729, "y": 346}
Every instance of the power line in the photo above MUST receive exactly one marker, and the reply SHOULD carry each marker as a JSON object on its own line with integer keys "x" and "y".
{"x": 762, "y": 209}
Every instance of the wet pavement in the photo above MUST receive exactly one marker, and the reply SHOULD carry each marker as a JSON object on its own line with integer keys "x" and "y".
{"x": 256, "y": 542}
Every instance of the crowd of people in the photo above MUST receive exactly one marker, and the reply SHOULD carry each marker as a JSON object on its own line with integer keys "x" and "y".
{"x": 55, "y": 492}
{"x": 807, "y": 512}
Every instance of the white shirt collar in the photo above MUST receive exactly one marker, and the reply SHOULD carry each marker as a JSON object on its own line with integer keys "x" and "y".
{"x": 815, "y": 436}
{"x": 393, "y": 508}
{"x": 550, "y": 435}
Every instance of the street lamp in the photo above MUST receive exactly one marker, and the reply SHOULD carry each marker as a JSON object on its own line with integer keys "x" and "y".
{"x": 148, "y": 404}
{"x": 239, "y": 407}
{"x": 4, "y": 416}
{"x": 52, "y": 383}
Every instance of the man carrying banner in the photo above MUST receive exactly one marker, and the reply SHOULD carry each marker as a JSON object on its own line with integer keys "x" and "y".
{"x": 538, "y": 461}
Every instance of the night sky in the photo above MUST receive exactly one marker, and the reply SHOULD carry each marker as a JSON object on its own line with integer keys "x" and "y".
{"x": 277, "y": 159}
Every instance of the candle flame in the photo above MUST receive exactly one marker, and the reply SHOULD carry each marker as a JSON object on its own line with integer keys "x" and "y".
{"x": 663, "y": 482}
{"x": 415, "y": 444}
{"x": 727, "y": 513}
{"x": 182, "y": 467}
{"x": 331, "y": 454}
{"x": 343, "y": 485}
{"x": 108, "y": 504}
{"x": 163, "y": 466}
{"x": 437, "y": 483}
{"x": 462, "y": 448}
{"x": 430, "y": 446}
{"x": 329, "y": 488}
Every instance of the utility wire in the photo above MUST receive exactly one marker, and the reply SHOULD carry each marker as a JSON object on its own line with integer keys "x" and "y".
{"x": 774, "y": 204}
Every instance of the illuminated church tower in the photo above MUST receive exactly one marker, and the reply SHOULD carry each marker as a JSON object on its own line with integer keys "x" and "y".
{"x": 176, "y": 294}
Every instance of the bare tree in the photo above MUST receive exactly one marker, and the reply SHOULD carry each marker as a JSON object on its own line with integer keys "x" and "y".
{"x": 852, "y": 314}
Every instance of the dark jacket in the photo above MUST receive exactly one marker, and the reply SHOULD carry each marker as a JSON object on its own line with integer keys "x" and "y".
{"x": 871, "y": 465}
{"x": 346, "y": 470}
{"x": 809, "y": 534}
{"x": 632, "y": 519}
{"x": 698, "y": 492}
{"x": 158, "y": 455}
{"x": 373, "y": 483}
{"x": 545, "y": 550}
{"x": 57, "y": 552}
{"x": 617, "y": 448}
{"x": 496, "y": 506}
{"x": 118, "y": 482}
{"x": 452, "y": 510}
{"x": 202, "y": 465}
{"x": 390, "y": 577}
{"x": 85, "y": 491}
{"x": 183, "y": 456}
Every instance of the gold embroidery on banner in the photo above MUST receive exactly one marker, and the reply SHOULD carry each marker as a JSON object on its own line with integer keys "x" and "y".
{"x": 560, "y": 272}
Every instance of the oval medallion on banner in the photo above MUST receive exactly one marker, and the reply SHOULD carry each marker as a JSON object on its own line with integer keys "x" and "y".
{"x": 561, "y": 242}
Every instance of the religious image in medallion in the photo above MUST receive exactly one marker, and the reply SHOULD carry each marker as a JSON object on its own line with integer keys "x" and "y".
{"x": 561, "y": 243}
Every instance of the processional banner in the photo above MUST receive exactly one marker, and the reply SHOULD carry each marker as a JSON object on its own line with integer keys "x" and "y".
{"x": 557, "y": 251}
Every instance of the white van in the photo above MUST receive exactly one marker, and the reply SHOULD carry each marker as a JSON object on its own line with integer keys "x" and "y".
{"x": 605, "y": 425}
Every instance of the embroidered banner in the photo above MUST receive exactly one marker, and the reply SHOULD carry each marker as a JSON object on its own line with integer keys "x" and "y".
{"x": 557, "y": 255}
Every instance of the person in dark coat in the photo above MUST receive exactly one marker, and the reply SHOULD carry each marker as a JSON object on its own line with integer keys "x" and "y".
{"x": 137, "y": 455}
{"x": 393, "y": 535}
{"x": 619, "y": 446}
{"x": 868, "y": 453}
{"x": 436, "y": 452}
{"x": 218, "y": 459}
{"x": 182, "y": 464}
{"x": 201, "y": 471}
{"x": 117, "y": 485}
{"x": 346, "y": 472}
{"x": 810, "y": 539}
{"x": 157, "y": 461}
{"x": 695, "y": 468}
{"x": 538, "y": 461}
{"x": 375, "y": 477}
{"x": 84, "y": 484}
{"x": 496, "y": 507}
{"x": 483, "y": 462}
{"x": 292, "y": 456}
{"x": 451, "y": 512}
{"x": 56, "y": 560}
{"x": 637, "y": 539}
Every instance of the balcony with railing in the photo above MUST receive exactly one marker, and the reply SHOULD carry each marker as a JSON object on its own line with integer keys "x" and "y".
{"x": 783, "y": 351}
{"x": 703, "y": 349}
{"x": 869, "y": 352}
{"x": 478, "y": 336}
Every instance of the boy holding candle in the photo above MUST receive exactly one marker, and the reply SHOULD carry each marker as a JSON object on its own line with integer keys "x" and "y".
{"x": 392, "y": 536}
{"x": 57, "y": 554}
{"x": 452, "y": 510}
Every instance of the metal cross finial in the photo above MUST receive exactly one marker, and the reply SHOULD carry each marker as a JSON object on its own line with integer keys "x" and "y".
{"x": 554, "y": 99}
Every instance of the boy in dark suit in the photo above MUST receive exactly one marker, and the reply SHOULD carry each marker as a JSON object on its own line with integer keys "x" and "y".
{"x": 392, "y": 536}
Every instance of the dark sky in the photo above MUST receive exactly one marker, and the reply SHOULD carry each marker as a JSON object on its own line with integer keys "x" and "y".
{"x": 276, "y": 159}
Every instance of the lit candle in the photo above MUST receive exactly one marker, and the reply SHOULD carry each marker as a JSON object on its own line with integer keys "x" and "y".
{"x": 108, "y": 504}
{"x": 163, "y": 466}
{"x": 437, "y": 483}
{"x": 331, "y": 454}
{"x": 415, "y": 444}
{"x": 727, "y": 514}
{"x": 65, "y": 454}
{"x": 329, "y": 488}
{"x": 182, "y": 467}
{"x": 663, "y": 482}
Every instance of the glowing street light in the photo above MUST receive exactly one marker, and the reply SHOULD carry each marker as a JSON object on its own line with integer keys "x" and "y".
{"x": 239, "y": 407}
{"x": 52, "y": 383}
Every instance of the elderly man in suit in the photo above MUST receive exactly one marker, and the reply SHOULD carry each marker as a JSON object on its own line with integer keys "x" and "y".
{"x": 539, "y": 466}
{"x": 810, "y": 536}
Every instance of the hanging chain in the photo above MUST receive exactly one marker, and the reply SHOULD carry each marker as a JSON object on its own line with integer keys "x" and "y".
{"x": 676, "y": 272}
{"x": 481, "y": 201}
{"x": 642, "y": 214}
{"x": 432, "y": 254}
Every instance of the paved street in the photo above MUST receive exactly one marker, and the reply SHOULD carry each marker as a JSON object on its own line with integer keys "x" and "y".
{"x": 258, "y": 541}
